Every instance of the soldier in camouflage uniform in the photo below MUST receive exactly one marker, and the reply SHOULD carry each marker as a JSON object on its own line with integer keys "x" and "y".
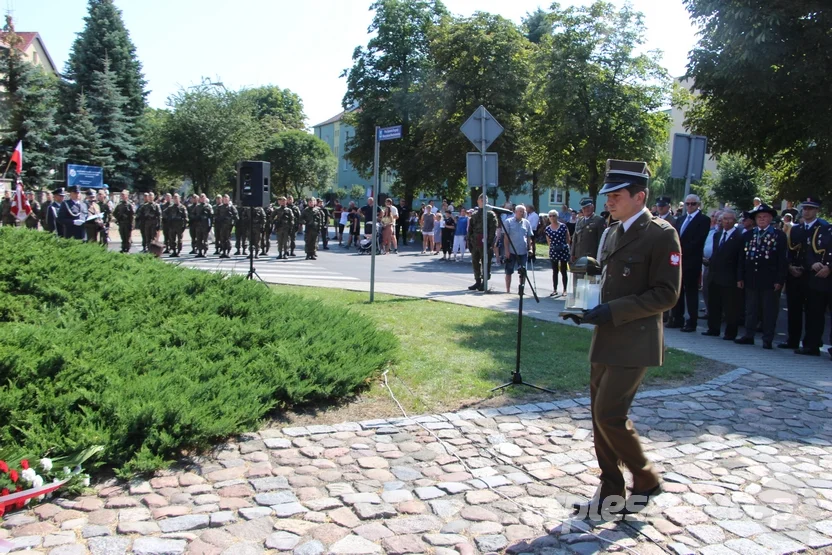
{"x": 312, "y": 223}
{"x": 34, "y": 216}
{"x": 123, "y": 215}
{"x": 192, "y": 231}
{"x": 106, "y": 209}
{"x": 166, "y": 201}
{"x": 204, "y": 216}
{"x": 258, "y": 223}
{"x": 475, "y": 236}
{"x": 242, "y": 230}
{"x": 225, "y": 217}
{"x": 284, "y": 226}
{"x": 140, "y": 217}
{"x": 175, "y": 217}
{"x": 151, "y": 220}
{"x": 6, "y": 216}
{"x": 324, "y": 231}
{"x": 290, "y": 203}
{"x": 214, "y": 206}
{"x": 266, "y": 236}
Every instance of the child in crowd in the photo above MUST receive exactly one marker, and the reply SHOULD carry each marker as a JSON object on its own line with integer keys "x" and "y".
{"x": 460, "y": 235}
{"x": 412, "y": 228}
{"x": 437, "y": 233}
{"x": 354, "y": 220}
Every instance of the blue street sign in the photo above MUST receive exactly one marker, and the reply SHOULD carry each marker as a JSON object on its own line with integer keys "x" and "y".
{"x": 390, "y": 133}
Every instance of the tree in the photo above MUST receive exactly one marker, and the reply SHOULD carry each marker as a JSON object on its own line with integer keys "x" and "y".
{"x": 156, "y": 174}
{"x": 480, "y": 60}
{"x": 276, "y": 109}
{"x": 602, "y": 100}
{"x": 80, "y": 139}
{"x": 29, "y": 102}
{"x": 340, "y": 193}
{"x": 738, "y": 181}
{"x": 105, "y": 38}
{"x": 207, "y": 132}
{"x": 386, "y": 81}
{"x": 300, "y": 162}
{"x": 114, "y": 128}
{"x": 763, "y": 72}
{"x": 357, "y": 192}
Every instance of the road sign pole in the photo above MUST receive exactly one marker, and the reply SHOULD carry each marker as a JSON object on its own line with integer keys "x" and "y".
{"x": 373, "y": 209}
{"x": 689, "y": 171}
{"x": 486, "y": 267}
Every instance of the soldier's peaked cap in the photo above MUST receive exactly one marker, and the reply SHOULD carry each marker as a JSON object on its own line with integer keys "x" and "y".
{"x": 586, "y": 202}
{"x": 663, "y": 201}
{"x": 811, "y": 202}
{"x": 623, "y": 173}
{"x": 59, "y": 191}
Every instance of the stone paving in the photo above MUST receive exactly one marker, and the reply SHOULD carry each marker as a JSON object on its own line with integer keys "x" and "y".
{"x": 746, "y": 459}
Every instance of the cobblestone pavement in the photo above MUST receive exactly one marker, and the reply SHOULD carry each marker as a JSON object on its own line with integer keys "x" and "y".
{"x": 746, "y": 459}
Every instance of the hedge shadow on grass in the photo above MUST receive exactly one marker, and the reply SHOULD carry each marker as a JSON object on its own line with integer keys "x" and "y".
{"x": 149, "y": 359}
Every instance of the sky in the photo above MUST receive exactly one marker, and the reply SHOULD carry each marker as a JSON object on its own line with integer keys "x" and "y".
{"x": 302, "y": 45}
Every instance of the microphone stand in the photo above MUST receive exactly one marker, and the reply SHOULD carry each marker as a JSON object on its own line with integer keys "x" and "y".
{"x": 516, "y": 376}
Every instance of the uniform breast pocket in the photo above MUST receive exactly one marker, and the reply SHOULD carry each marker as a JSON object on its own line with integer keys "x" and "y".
{"x": 632, "y": 264}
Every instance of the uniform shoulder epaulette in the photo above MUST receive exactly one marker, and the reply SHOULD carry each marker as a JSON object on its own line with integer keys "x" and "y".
{"x": 661, "y": 222}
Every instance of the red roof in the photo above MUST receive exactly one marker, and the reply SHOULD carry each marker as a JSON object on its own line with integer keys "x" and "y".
{"x": 28, "y": 38}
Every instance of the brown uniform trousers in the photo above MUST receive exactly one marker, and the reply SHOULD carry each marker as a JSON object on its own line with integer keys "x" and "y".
{"x": 642, "y": 272}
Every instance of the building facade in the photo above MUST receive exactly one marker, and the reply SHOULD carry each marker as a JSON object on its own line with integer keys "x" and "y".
{"x": 34, "y": 50}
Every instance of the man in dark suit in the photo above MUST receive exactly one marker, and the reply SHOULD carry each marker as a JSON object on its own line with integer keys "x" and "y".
{"x": 762, "y": 274}
{"x": 693, "y": 229}
{"x": 723, "y": 295}
{"x": 641, "y": 264}
{"x": 51, "y": 222}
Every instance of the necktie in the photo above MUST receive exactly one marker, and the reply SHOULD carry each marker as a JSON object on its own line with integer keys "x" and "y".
{"x": 722, "y": 240}
{"x": 685, "y": 225}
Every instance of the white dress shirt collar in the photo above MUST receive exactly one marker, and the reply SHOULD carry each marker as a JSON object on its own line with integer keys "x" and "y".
{"x": 629, "y": 221}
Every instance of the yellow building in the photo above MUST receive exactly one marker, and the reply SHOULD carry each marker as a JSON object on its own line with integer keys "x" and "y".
{"x": 34, "y": 50}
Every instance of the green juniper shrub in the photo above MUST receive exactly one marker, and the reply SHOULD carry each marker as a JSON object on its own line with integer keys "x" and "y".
{"x": 148, "y": 359}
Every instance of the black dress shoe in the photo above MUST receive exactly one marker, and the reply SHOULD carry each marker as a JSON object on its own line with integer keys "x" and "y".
{"x": 727, "y": 338}
{"x": 744, "y": 341}
{"x": 638, "y": 500}
{"x": 474, "y": 287}
{"x": 787, "y": 345}
{"x": 710, "y": 333}
{"x": 767, "y": 345}
{"x": 810, "y": 352}
{"x": 688, "y": 329}
{"x": 673, "y": 325}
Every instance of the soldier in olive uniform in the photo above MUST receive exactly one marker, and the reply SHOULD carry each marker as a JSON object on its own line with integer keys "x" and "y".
{"x": 152, "y": 221}
{"x": 475, "y": 236}
{"x": 214, "y": 206}
{"x": 175, "y": 217}
{"x": 33, "y": 217}
{"x": 242, "y": 229}
{"x": 225, "y": 217}
{"x": 312, "y": 223}
{"x": 193, "y": 205}
{"x": 588, "y": 231}
{"x": 6, "y": 216}
{"x": 324, "y": 231}
{"x": 166, "y": 201}
{"x": 268, "y": 227}
{"x": 124, "y": 214}
{"x": 204, "y": 217}
{"x": 641, "y": 278}
{"x": 140, "y": 217}
{"x": 290, "y": 203}
{"x": 106, "y": 209}
{"x": 258, "y": 222}
{"x": 284, "y": 226}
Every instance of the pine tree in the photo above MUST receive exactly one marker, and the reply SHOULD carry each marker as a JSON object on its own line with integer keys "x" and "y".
{"x": 29, "y": 99}
{"x": 114, "y": 127}
{"x": 80, "y": 139}
{"x": 105, "y": 36}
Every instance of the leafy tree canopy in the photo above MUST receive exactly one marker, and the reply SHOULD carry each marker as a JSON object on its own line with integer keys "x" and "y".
{"x": 763, "y": 71}
{"x": 276, "y": 109}
{"x": 300, "y": 163}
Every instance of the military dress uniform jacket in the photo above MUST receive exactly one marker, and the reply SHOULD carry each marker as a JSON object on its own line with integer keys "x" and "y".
{"x": 475, "y": 229}
{"x": 70, "y": 212}
{"x": 763, "y": 263}
{"x": 818, "y": 250}
{"x": 587, "y": 236}
{"x": 642, "y": 277}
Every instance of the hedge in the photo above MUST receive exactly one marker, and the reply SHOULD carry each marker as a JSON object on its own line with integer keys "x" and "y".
{"x": 149, "y": 359}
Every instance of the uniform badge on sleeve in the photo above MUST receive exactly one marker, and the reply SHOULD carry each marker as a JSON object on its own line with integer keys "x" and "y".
{"x": 675, "y": 258}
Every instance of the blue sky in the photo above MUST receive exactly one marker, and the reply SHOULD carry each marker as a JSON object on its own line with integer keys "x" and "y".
{"x": 302, "y": 45}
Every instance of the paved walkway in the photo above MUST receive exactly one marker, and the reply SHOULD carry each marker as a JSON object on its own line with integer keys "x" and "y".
{"x": 746, "y": 458}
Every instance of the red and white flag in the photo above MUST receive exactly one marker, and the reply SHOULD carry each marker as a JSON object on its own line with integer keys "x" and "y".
{"x": 20, "y": 205}
{"x": 17, "y": 157}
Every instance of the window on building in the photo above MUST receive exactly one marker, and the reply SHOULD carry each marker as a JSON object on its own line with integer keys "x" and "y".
{"x": 555, "y": 196}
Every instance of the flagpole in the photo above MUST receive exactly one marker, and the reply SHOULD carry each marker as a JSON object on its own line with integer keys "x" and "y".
{"x": 7, "y": 168}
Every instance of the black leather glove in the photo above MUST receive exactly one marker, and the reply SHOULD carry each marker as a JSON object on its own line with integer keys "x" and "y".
{"x": 598, "y": 316}
{"x": 574, "y": 317}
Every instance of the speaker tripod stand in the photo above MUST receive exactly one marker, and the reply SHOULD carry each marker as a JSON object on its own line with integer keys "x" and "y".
{"x": 516, "y": 376}
{"x": 251, "y": 271}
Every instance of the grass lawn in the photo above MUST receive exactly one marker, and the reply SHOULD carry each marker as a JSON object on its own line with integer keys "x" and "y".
{"x": 451, "y": 355}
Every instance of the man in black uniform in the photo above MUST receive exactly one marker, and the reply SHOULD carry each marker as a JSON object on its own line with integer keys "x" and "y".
{"x": 52, "y": 224}
{"x": 693, "y": 230}
{"x": 816, "y": 287}
{"x": 72, "y": 215}
{"x": 723, "y": 295}
{"x": 762, "y": 273}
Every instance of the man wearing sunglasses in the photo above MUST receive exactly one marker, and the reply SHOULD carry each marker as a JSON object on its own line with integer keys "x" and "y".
{"x": 693, "y": 228}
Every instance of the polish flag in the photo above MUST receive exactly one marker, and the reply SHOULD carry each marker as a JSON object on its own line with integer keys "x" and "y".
{"x": 17, "y": 156}
{"x": 20, "y": 206}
